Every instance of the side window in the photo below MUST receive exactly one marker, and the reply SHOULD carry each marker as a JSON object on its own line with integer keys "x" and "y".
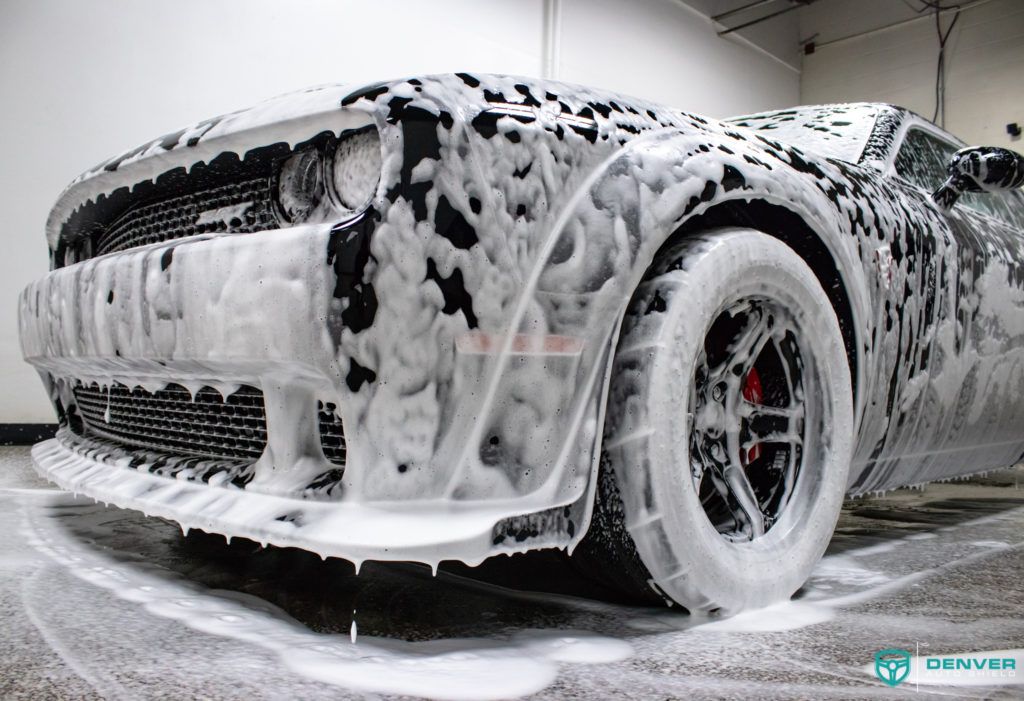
{"x": 1014, "y": 208}
{"x": 922, "y": 161}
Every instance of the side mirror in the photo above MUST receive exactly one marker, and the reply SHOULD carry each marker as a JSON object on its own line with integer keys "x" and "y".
{"x": 980, "y": 169}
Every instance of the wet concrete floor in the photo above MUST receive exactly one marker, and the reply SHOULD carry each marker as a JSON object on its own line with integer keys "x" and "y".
{"x": 101, "y": 602}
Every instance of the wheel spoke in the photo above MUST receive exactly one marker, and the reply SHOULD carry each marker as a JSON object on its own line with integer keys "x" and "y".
{"x": 739, "y": 485}
{"x": 789, "y": 479}
{"x": 700, "y": 462}
{"x": 774, "y": 425}
{"x": 732, "y": 486}
{"x": 744, "y": 347}
{"x": 789, "y": 437}
{"x": 754, "y": 412}
{"x": 751, "y": 341}
{"x": 743, "y": 493}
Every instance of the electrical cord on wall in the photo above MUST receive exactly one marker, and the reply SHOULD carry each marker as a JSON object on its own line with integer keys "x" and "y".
{"x": 940, "y": 72}
{"x": 939, "y": 117}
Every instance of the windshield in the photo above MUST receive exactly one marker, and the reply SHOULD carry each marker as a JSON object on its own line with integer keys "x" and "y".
{"x": 833, "y": 131}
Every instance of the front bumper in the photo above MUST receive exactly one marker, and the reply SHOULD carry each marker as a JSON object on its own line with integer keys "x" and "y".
{"x": 427, "y": 532}
{"x": 255, "y": 309}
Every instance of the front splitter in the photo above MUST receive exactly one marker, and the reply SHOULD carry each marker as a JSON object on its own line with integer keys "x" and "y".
{"x": 428, "y": 532}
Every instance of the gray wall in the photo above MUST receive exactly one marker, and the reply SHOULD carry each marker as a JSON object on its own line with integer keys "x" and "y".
{"x": 984, "y": 62}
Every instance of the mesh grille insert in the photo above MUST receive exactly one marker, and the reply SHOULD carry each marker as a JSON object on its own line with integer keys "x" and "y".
{"x": 171, "y": 421}
{"x": 238, "y": 207}
{"x": 332, "y": 436}
{"x": 226, "y": 194}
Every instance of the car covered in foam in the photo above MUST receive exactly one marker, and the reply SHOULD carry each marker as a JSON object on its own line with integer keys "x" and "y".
{"x": 462, "y": 315}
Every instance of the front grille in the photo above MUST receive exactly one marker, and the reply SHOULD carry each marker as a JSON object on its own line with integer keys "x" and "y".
{"x": 228, "y": 194}
{"x": 172, "y": 421}
{"x": 238, "y": 207}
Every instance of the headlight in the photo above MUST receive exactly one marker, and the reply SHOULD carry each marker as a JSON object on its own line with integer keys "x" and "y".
{"x": 314, "y": 187}
{"x": 356, "y": 169}
{"x": 300, "y": 185}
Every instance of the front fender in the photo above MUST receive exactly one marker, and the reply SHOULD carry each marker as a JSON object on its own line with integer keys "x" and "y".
{"x": 612, "y": 228}
{"x": 503, "y": 256}
{"x": 609, "y": 231}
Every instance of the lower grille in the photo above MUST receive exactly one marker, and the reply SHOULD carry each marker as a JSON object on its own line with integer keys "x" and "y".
{"x": 332, "y": 436}
{"x": 172, "y": 421}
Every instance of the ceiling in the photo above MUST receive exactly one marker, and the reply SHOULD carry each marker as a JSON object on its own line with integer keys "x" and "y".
{"x": 783, "y": 35}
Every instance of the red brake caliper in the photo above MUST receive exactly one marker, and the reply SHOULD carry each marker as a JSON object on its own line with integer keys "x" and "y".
{"x": 753, "y": 393}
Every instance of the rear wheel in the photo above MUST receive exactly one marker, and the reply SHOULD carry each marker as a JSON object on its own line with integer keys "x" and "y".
{"x": 728, "y": 431}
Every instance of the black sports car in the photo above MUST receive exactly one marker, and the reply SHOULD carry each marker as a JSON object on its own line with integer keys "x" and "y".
{"x": 462, "y": 315}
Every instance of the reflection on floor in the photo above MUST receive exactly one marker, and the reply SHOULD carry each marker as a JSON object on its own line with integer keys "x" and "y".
{"x": 102, "y": 602}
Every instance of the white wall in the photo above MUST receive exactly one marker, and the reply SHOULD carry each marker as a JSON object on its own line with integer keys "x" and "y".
{"x": 84, "y": 80}
{"x": 779, "y": 36}
{"x": 984, "y": 62}
{"x": 671, "y": 53}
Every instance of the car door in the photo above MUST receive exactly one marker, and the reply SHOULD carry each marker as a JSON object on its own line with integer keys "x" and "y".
{"x": 968, "y": 414}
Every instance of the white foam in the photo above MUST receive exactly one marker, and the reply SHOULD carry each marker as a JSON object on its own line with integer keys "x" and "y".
{"x": 788, "y": 615}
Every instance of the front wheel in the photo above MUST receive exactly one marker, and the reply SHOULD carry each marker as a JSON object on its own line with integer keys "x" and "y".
{"x": 729, "y": 427}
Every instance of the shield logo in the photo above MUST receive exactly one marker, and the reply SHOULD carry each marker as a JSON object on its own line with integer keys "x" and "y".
{"x": 892, "y": 666}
